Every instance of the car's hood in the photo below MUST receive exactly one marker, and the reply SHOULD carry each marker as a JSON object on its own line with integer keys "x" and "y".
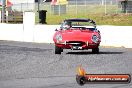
{"x": 77, "y": 35}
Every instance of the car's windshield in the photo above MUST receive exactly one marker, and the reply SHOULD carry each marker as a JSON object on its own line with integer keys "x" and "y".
{"x": 82, "y": 24}
{"x": 78, "y": 24}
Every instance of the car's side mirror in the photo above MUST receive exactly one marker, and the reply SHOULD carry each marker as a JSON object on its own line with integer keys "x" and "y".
{"x": 98, "y": 31}
{"x": 56, "y": 29}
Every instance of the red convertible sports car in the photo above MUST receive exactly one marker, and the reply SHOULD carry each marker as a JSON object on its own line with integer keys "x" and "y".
{"x": 77, "y": 34}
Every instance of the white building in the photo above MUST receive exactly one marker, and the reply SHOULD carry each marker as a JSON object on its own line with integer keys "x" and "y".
{"x": 23, "y": 5}
{"x": 22, "y": 1}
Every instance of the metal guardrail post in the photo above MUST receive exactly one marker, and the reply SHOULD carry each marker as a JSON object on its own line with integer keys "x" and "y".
{"x": 38, "y": 8}
{"x": 0, "y": 16}
{"x": 3, "y": 10}
{"x": 6, "y": 16}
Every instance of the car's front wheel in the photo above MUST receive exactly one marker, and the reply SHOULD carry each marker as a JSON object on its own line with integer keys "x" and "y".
{"x": 95, "y": 50}
{"x": 58, "y": 50}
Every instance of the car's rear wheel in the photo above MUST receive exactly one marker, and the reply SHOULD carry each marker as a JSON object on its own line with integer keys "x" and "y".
{"x": 58, "y": 50}
{"x": 95, "y": 50}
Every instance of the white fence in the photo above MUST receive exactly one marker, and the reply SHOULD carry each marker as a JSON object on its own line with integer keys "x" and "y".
{"x": 116, "y": 36}
{"x": 111, "y": 35}
{"x": 29, "y": 32}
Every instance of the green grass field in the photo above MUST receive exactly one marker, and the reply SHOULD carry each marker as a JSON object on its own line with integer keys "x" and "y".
{"x": 100, "y": 19}
{"x": 110, "y": 16}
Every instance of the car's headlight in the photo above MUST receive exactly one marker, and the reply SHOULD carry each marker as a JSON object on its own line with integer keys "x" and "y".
{"x": 95, "y": 38}
{"x": 59, "y": 37}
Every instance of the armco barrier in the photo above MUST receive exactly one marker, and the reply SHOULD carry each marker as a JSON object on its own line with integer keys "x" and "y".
{"x": 111, "y": 35}
{"x": 11, "y": 32}
{"x": 116, "y": 36}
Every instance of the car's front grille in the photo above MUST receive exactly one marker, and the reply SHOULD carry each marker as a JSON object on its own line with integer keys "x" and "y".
{"x": 76, "y": 43}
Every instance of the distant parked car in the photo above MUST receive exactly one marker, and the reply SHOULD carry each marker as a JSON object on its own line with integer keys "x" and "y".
{"x": 77, "y": 34}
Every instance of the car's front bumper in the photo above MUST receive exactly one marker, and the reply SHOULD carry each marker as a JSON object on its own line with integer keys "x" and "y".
{"x": 77, "y": 45}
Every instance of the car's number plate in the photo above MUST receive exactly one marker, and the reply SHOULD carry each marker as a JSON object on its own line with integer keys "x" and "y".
{"x": 77, "y": 47}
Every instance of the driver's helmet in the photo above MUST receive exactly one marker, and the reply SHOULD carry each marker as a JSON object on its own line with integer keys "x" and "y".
{"x": 67, "y": 25}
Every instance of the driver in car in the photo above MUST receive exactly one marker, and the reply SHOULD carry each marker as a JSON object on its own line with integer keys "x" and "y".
{"x": 67, "y": 26}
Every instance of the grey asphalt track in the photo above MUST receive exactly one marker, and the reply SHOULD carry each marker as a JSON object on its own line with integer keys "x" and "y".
{"x": 34, "y": 65}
